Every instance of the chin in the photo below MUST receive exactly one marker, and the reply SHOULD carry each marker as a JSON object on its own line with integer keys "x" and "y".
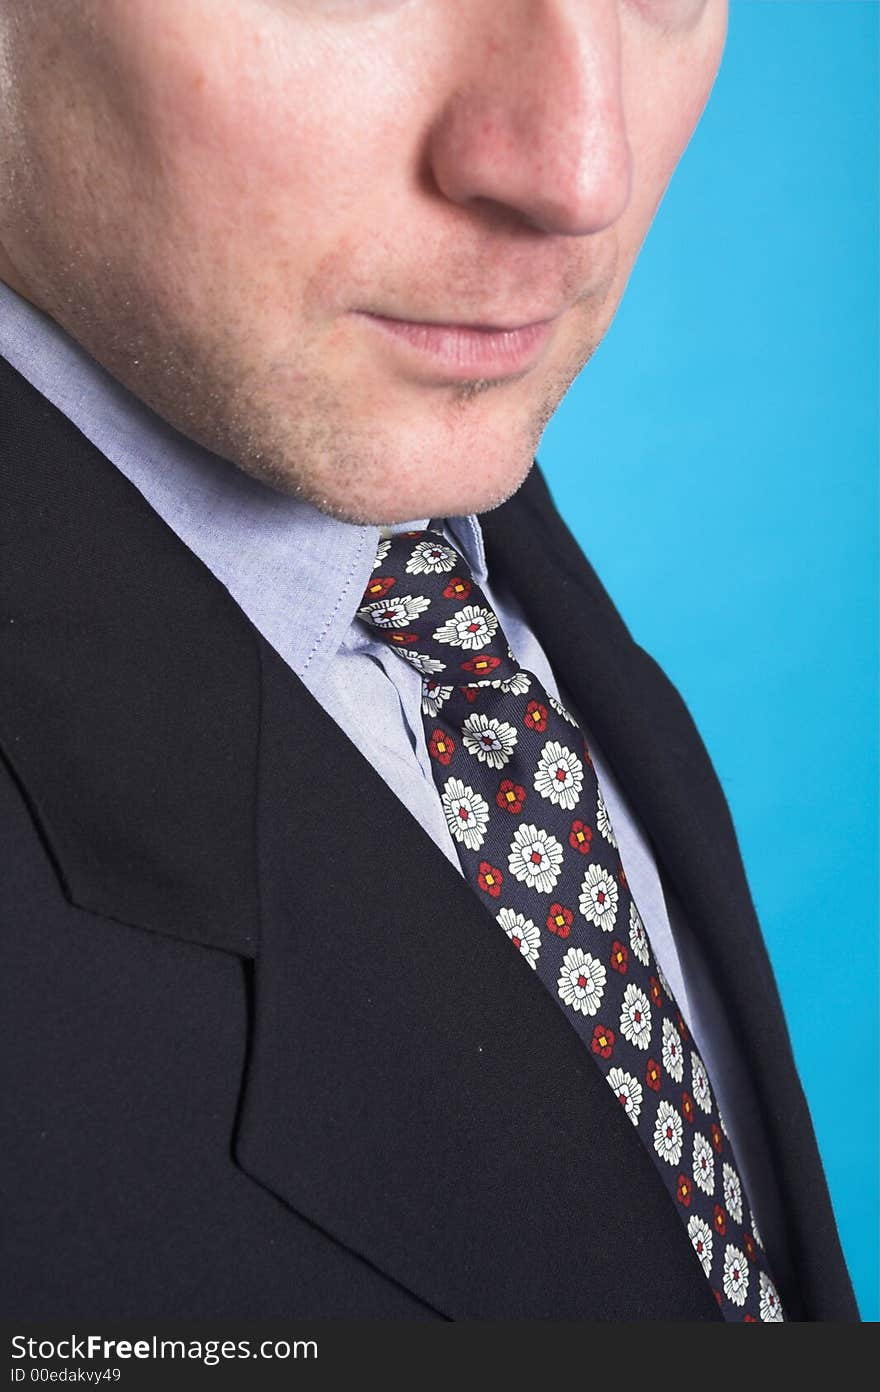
{"x": 472, "y": 468}
{"x": 383, "y": 461}
{"x": 405, "y": 498}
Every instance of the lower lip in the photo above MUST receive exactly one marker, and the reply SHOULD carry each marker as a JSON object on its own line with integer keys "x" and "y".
{"x": 464, "y": 353}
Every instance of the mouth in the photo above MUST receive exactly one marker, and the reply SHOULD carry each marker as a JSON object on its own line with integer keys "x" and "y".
{"x": 459, "y": 352}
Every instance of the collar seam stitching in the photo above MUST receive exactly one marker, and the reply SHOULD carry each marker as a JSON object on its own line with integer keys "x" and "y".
{"x": 335, "y": 610}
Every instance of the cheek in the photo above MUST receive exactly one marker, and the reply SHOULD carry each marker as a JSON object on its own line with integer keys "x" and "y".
{"x": 255, "y": 140}
{"x": 667, "y": 82}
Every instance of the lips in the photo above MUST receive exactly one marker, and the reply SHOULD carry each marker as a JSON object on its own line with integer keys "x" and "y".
{"x": 462, "y": 351}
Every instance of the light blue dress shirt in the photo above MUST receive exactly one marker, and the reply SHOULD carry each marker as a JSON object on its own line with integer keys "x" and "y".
{"x": 299, "y": 576}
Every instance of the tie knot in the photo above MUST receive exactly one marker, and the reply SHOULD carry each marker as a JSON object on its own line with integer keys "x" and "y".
{"x": 423, "y": 601}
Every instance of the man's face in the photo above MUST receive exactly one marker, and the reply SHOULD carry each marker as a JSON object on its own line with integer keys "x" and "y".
{"x": 225, "y": 201}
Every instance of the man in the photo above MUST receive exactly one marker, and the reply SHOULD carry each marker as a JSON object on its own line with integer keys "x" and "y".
{"x": 290, "y": 292}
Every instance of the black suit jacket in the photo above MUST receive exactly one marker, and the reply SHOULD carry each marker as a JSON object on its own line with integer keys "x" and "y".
{"x": 266, "y": 1055}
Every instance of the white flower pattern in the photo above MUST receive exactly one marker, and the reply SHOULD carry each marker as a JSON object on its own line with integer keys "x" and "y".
{"x": 672, "y": 1052}
{"x": 534, "y": 858}
{"x": 635, "y": 1017}
{"x": 702, "y": 1094}
{"x": 603, "y": 821}
{"x": 638, "y": 938}
{"x": 598, "y": 898}
{"x": 581, "y": 981}
{"x": 394, "y": 613}
{"x": 732, "y": 1187}
{"x": 434, "y": 696}
{"x": 560, "y": 710}
{"x": 522, "y": 932}
{"x": 517, "y": 685}
{"x": 423, "y": 662}
{"x": 769, "y": 1306}
{"x": 628, "y": 1091}
{"x": 700, "y": 1235}
{"x": 668, "y": 1133}
{"x": 490, "y": 741}
{"x": 704, "y": 1164}
{"x": 431, "y": 558}
{"x": 559, "y": 776}
{"x": 736, "y": 1275}
{"x": 467, "y": 813}
{"x": 472, "y": 628}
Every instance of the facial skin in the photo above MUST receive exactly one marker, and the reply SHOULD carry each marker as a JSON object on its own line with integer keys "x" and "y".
{"x": 205, "y": 192}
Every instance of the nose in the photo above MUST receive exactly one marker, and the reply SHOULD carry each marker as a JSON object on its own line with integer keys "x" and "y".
{"x": 535, "y": 120}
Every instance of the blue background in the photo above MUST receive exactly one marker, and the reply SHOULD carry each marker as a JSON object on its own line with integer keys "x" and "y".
{"x": 731, "y": 416}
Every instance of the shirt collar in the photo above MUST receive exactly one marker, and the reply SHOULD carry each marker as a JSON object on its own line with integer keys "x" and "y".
{"x": 298, "y": 574}
{"x": 467, "y": 534}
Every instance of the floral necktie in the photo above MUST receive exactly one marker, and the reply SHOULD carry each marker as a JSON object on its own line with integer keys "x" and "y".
{"x": 524, "y": 807}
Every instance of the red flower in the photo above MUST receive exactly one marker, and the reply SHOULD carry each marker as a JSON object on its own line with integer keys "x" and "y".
{"x": 682, "y": 1027}
{"x": 457, "y": 588}
{"x": 717, "y": 1294}
{"x": 469, "y": 693}
{"x": 580, "y": 836}
{"x": 378, "y": 587}
{"x": 402, "y": 638}
{"x": 687, "y": 1106}
{"x": 749, "y": 1244}
{"x": 622, "y": 878}
{"x": 684, "y": 1191}
{"x": 441, "y": 746}
{"x": 490, "y": 879}
{"x": 720, "y": 1220}
{"x": 603, "y": 1041}
{"x": 652, "y": 1075}
{"x": 655, "y": 992}
{"x": 588, "y": 758}
{"x": 481, "y": 666}
{"x": 717, "y": 1138}
{"x": 559, "y": 920}
{"x": 619, "y": 957}
{"x": 535, "y": 717}
{"x": 749, "y": 1319}
{"x": 510, "y": 796}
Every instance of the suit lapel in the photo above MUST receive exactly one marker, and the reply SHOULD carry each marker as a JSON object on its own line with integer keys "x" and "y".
{"x": 129, "y": 691}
